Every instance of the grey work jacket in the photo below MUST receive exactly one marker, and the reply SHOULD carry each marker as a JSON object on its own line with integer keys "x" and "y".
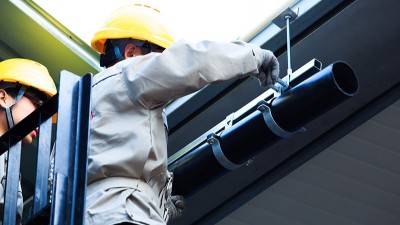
{"x": 128, "y": 142}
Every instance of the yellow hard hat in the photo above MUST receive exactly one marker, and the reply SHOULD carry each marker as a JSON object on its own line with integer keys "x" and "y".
{"x": 137, "y": 21}
{"x": 28, "y": 73}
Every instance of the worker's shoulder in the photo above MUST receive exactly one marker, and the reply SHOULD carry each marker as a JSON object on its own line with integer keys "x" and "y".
{"x": 106, "y": 74}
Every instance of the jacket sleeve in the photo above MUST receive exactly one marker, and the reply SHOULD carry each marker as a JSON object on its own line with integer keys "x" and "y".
{"x": 184, "y": 67}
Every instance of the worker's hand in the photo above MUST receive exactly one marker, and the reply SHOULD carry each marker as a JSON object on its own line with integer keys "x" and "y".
{"x": 268, "y": 71}
{"x": 175, "y": 206}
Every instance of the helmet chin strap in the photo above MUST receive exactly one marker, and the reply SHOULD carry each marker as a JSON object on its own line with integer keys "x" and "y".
{"x": 118, "y": 53}
{"x": 111, "y": 57}
{"x": 8, "y": 110}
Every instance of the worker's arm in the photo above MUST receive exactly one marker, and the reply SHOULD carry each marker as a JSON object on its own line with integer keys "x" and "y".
{"x": 186, "y": 67}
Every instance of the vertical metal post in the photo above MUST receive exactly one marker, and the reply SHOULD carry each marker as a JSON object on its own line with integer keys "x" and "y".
{"x": 72, "y": 137}
{"x": 42, "y": 166}
{"x": 284, "y": 19}
{"x": 289, "y": 70}
{"x": 12, "y": 182}
{"x": 82, "y": 146}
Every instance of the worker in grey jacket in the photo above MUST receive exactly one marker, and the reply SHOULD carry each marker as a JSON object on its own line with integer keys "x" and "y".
{"x": 128, "y": 180}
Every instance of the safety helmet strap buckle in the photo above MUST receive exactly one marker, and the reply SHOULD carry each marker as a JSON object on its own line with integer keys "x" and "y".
{"x": 8, "y": 110}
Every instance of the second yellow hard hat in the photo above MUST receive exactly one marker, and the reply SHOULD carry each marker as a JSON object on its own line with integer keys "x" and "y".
{"x": 28, "y": 73}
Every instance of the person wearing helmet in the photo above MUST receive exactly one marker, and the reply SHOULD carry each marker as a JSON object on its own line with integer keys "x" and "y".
{"x": 128, "y": 179}
{"x": 24, "y": 85}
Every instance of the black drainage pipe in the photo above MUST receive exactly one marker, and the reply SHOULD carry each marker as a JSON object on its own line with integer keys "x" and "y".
{"x": 273, "y": 121}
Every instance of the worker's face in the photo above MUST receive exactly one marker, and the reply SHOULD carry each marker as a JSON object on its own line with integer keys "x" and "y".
{"x": 22, "y": 109}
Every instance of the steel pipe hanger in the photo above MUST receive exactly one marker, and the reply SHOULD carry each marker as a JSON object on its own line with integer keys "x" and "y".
{"x": 278, "y": 113}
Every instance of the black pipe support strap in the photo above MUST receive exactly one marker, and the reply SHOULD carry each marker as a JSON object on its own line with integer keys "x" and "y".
{"x": 219, "y": 154}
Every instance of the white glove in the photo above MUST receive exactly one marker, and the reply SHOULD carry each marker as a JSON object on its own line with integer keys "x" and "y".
{"x": 175, "y": 206}
{"x": 268, "y": 71}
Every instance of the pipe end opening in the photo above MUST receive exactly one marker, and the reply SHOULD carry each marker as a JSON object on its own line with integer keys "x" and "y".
{"x": 345, "y": 78}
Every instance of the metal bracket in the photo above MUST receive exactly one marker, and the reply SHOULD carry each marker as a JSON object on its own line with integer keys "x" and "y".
{"x": 229, "y": 120}
{"x": 219, "y": 155}
{"x": 280, "y": 87}
{"x": 271, "y": 123}
{"x": 284, "y": 19}
{"x": 280, "y": 20}
{"x": 306, "y": 71}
